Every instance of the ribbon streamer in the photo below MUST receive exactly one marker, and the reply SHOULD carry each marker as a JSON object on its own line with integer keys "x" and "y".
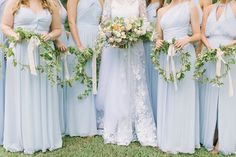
{"x": 94, "y": 73}
{"x": 66, "y": 71}
{"x": 34, "y": 42}
{"x": 218, "y": 71}
{"x": 170, "y": 62}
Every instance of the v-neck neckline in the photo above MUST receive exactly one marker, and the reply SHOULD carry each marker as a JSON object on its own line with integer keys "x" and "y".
{"x": 223, "y": 12}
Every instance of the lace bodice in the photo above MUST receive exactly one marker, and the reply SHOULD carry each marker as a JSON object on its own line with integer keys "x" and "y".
{"x": 124, "y": 8}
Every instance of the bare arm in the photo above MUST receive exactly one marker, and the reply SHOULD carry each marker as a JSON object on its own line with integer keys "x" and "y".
{"x": 72, "y": 14}
{"x": 203, "y": 34}
{"x": 8, "y": 20}
{"x": 195, "y": 24}
{"x": 159, "y": 32}
{"x": 56, "y": 23}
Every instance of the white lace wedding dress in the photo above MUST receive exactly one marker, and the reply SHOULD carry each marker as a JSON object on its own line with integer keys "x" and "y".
{"x": 123, "y": 93}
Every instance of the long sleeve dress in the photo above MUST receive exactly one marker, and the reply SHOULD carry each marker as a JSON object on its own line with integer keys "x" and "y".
{"x": 123, "y": 92}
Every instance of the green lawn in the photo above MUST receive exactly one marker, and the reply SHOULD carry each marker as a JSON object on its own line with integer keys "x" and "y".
{"x": 94, "y": 147}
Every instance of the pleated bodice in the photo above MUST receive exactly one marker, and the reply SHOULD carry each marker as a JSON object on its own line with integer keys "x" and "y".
{"x": 221, "y": 31}
{"x": 29, "y": 20}
{"x": 178, "y": 26}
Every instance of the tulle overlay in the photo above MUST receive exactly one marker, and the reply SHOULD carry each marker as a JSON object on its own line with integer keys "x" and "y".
{"x": 123, "y": 93}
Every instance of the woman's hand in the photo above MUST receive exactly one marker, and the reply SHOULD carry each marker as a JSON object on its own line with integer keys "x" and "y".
{"x": 80, "y": 47}
{"x": 60, "y": 46}
{"x": 15, "y": 36}
{"x": 181, "y": 42}
{"x": 159, "y": 43}
{"x": 47, "y": 37}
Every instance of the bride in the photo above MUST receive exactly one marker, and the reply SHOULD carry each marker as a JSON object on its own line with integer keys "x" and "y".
{"x": 123, "y": 93}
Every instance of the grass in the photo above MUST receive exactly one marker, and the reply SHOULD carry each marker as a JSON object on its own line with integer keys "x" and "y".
{"x": 94, "y": 147}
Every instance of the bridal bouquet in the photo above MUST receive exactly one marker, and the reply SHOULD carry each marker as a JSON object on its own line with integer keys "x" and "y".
{"x": 123, "y": 32}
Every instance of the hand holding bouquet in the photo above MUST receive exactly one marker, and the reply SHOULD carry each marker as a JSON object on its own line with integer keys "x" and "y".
{"x": 123, "y": 32}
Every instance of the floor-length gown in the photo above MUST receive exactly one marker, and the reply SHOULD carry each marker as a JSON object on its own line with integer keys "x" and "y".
{"x": 62, "y": 89}
{"x": 151, "y": 73}
{"x": 2, "y": 75}
{"x": 81, "y": 114}
{"x": 123, "y": 93}
{"x": 176, "y": 113}
{"x": 218, "y": 109}
{"x": 31, "y": 107}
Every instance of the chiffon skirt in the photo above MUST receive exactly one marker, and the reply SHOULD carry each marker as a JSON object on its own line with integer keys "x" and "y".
{"x": 151, "y": 75}
{"x": 124, "y": 98}
{"x": 81, "y": 114}
{"x": 218, "y": 108}
{"x": 31, "y": 108}
{"x": 177, "y": 112}
{"x": 2, "y": 89}
{"x": 62, "y": 89}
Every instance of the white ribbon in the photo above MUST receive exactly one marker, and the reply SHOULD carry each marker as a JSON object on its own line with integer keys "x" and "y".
{"x": 34, "y": 42}
{"x": 66, "y": 71}
{"x": 94, "y": 73}
{"x": 218, "y": 71}
{"x": 170, "y": 62}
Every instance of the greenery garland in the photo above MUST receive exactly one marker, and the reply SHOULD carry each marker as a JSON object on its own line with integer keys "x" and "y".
{"x": 210, "y": 56}
{"x": 184, "y": 58}
{"x": 48, "y": 54}
{"x": 79, "y": 72}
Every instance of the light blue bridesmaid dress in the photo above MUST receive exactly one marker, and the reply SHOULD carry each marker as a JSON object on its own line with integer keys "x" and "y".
{"x": 151, "y": 73}
{"x": 81, "y": 114}
{"x": 31, "y": 108}
{"x": 218, "y": 109}
{"x": 62, "y": 90}
{"x": 122, "y": 91}
{"x": 176, "y": 113}
{"x": 2, "y": 75}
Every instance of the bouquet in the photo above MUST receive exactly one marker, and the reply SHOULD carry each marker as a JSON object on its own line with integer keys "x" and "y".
{"x": 123, "y": 32}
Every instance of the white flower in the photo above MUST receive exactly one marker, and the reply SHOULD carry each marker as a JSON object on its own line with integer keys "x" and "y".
{"x": 128, "y": 27}
{"x": 110, "y": 40}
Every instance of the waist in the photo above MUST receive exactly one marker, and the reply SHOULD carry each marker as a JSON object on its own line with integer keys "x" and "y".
{"x": 221, "y": 37}
{"x": 35, "y": 29}
{"x": 169, "y": 35}
{"x": 85, "y": 24}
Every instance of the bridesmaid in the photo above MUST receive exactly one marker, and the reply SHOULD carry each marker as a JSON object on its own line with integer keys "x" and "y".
{"x": 31, "y": 107}
{"x": 218, "y": 110}
{"x": 176, "y": 113}
{"x": 84, "y": 18}
{"x": 151, "y": 73}
{"x": 61, "y": 43}
{"x": 2, "y": 74}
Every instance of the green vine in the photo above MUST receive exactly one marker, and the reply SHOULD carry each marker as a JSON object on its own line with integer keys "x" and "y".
{"x": 48, "y": 54}
{"x": 210, "y": 56}
{"x": 79, "y": 72}
{"x": 184, "y": 59}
